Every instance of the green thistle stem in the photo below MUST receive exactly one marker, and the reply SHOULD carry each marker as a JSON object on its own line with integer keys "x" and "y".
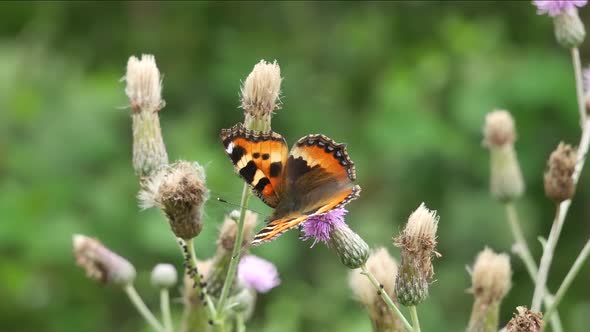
{"x": 579, "y": 85}
{"x": 191, "y": 261}
{"x": 414, "y": 315}
{"x": 569, "y": 278}
{"x": 388, "y": 301}
{"x": 165, "y": 307}
{"x": 235, "y": 257}
{"x": 142, "y": 308}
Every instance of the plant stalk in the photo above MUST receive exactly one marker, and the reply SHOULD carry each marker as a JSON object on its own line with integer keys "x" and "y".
{"x": 414, "y": 315}
{"x": 142, "y": 308}
{"x": 165, "y": 307}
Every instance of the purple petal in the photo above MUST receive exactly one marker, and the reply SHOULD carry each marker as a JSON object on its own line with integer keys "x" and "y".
{"x": 318, "y": 227}
{"x": 556, "y": 7}
{"x": 258, "y": 273}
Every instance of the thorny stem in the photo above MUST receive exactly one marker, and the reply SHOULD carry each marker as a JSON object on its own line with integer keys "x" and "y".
{"x": 191, "y": 269}
{"x": 414, "y": 315}
{"x": 569, "y": 278}
{"x": 579, "y": 85}
{"x": 165, "y": 307}
{"x": 386, "y": 297}
{"x": 142, "y": 308}
{"x": 235, "y": 257}
{"x": 564, "y": 206}
{"x": 522, "y": 250}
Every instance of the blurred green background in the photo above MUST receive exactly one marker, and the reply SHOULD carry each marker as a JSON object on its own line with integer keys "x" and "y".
{"x": 406, "y": 85}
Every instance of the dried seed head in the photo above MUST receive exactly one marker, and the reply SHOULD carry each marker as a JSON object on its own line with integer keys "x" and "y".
{"x": 418, "y": 243}
{"x": 144, "y": 89}
{"x": 559, "y": 184}
{"x": 499, "y": 129}
{"x": 164, "y": 276}
{"x": 491, "y": 278}
{"x": 525, "y": 320}
{"x": 260, "y": 95}
{"x": 180, "y": 191}
{"x": 100, "y": 263}
{"x": 569, "y": 29}
{"x": 384, "y": 268}
{"x": 144, "y": 85}
{"x": 229, "y": 230}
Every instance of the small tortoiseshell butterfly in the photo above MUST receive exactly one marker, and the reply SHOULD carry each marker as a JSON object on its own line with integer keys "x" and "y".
{"x": 314, "y": 178}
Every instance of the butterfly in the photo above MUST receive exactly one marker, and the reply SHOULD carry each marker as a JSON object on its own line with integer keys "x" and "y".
{"x": 316, "y": 176}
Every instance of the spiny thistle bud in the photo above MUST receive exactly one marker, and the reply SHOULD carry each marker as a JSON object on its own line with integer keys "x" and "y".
{"x": 384, "y": 268}
{"x": 225, "y": 246}
{"x": 179, "y": 191}
{"x": 144, "y": 89}
{"x": 559, "y": 184}
{"x": 569, "y": 29}
{"x": 490, "y": 282}
{"x": 331, "y": 229}
{"x": 417, "y": 243}
{"x": 164, "y": 276}
{"x": 260, "y": 95}
{"x": 506, "y": 181}
{"x": 100, "y": 263}
{"x": 525, "y": 320}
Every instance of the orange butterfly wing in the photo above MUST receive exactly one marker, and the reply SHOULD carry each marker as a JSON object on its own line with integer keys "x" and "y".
{"x": 259, "y": 158}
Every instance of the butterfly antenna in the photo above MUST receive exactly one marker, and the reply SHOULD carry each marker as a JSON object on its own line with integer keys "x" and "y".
{"x": 222, "y": 200}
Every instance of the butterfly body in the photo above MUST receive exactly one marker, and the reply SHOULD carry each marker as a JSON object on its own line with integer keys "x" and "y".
{"x": 315, "y": 177}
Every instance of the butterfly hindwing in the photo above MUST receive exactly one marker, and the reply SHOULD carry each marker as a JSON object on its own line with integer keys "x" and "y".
{"x": 319, "y": 177}
{"x": 259, "y": 158}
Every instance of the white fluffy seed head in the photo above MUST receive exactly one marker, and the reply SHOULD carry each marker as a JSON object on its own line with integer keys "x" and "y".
{"x": 491, "y": 276}
{"x": 144, "y": 85}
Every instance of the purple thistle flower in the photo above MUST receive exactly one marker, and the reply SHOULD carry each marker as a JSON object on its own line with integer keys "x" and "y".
{"x": 320, "y": 226}
{"x": 556, "y": 7}
{"x": 258, "y": 273}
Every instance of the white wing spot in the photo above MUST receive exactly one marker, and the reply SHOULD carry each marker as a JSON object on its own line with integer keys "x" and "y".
{"x": 230, "y": 148}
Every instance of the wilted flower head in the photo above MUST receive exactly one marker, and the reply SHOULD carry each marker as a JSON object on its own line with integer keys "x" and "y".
{"x": 499, "y": 129}
{"x": 180, "y": 191}
{"x": 556, "y": 7}
{"x": 164, "y": 276}
{"x": 331, "y": 229}
{"x": 384, "y": 268}
{"x": 260, "y": 95}
{"x": 257, "y": 273}
{"x": 417, "y": 243}
{"x": 525, "y": 320}
{"x": 558, "y": 181}
{"x": 100, "y": 263}
{"x": 491, "y": 277}
{"x": 229, "y": 230}
{"x": 144, "y": 89}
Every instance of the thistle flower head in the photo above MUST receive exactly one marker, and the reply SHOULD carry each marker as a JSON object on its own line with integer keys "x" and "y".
{"x": 319, "y": 227}
{"x": 556, "y": 7}
{"x": 180, "y": 191}
{"x": 101, "y": 263}
{"x": 144, "y": 85}
{"x": 558, "y": 181}
{"x": 499, "y": 129}
{"x": 257, "y": 273}
{"x": 229, "y": 230}
{"x": 525, "y": 320}
{"x": 260, "y": 95}
{"x": 418, "y": 243}
{"x": 331, "y": 229}
{"x": 491, "y": 277}
{"x": 164, "y": 276}
{"x": 384, "y": 268}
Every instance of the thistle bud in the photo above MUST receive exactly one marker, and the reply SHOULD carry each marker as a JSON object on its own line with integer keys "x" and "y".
{"x": 490, "y": 282}
{"x": 506, "y": 181}
{"x": 558, "y": 181}
{"x": 331, "y": 229}
{"x": 164, "y": 276}
{"x": 100, "y": 263}
{"x": 144, "y": 89}
{"x": 417, "y": 243}
{"x": 260, "y": 95}
{"x": 384, "y": 268}
{"x": 225, "y": 246}
{"x": 569, "y": 29}
{"x": 525, "y": 320}
{"x": 179, "y": 191}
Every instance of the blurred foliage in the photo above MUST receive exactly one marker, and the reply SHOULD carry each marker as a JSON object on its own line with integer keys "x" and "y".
{"x": 406, "y": 85}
